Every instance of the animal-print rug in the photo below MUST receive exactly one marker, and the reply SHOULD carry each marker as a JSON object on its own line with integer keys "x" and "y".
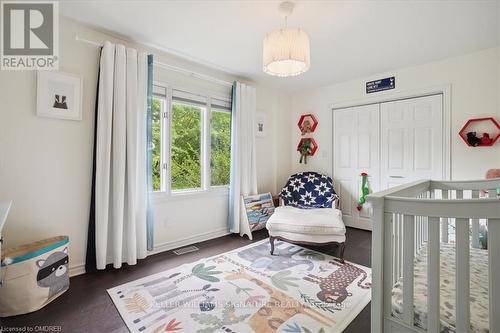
{"x": 296, "y": 290}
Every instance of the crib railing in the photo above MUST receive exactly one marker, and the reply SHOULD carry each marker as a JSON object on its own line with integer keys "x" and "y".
{"x": 406, "y": 218}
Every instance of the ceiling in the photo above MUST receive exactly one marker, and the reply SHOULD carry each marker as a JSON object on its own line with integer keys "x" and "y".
{"x": 349, "y": 39}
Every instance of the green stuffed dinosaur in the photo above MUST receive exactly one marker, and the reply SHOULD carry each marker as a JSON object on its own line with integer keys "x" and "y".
{"x": 364, "y": 190}
{"x": 305, "y": 150}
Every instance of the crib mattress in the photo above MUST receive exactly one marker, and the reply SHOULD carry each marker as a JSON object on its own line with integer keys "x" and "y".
{"x": 478, "y": 290}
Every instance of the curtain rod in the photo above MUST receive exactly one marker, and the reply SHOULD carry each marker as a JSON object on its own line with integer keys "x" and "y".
{"x": 169, "y": 67}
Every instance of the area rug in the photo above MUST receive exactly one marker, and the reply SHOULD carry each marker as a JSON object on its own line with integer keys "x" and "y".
{"x": 296, "y": 290}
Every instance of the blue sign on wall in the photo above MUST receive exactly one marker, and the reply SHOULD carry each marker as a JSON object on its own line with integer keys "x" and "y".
{"x": 380, "y": 85}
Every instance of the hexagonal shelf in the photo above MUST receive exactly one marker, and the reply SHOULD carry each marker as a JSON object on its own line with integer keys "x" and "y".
{"x": 486, "y": 139}
{"x": 307, "y": 123}
{"x": 309, "y": 144}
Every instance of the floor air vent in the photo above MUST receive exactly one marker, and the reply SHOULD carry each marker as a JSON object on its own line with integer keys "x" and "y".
{"x": 185, "y": 250}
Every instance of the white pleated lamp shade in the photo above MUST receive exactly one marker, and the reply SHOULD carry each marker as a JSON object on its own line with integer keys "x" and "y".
{"x": 286, "y": 52}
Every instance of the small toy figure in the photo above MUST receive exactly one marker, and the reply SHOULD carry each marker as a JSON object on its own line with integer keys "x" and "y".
{"x": 486, "y": 140}
{"x": 472, "y": 139}
{"x": 306, "y": 127}
{"x": 365, "y": 190}
{"x": 305, "y": 150}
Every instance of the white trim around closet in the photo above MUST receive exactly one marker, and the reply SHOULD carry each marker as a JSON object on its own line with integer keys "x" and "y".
{"x": 445, "y": 90}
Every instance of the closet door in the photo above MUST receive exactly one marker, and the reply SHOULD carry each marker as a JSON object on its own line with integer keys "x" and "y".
{"x": 356, "y": 150}
{"x": 411, "y": 140}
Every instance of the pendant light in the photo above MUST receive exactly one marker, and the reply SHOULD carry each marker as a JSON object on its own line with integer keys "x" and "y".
{"x": 286, "y": 52}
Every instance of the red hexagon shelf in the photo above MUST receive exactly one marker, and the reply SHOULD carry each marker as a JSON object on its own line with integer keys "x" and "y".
{"x": 306, "y": 147}
{"x": 307, "y": 123}
{"x": 489, "y": 135}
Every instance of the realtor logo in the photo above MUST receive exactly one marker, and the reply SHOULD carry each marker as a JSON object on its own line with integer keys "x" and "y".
{"x": 29, "y": 35}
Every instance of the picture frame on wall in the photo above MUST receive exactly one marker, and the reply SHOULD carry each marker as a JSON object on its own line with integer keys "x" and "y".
{"x": 59, "y": 95}
{"x": 261, "y": 124}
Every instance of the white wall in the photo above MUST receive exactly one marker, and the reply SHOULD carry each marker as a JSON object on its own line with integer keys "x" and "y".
{"x": 46, "y": 164}
{"x": 274, "y": 157}
{"x": 474, "y": 93}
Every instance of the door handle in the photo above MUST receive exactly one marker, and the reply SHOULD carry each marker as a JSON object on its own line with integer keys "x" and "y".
{"x": 396, "y": 176}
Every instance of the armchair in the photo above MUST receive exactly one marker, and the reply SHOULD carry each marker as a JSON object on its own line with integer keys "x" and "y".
{"x": 309, "y": 214}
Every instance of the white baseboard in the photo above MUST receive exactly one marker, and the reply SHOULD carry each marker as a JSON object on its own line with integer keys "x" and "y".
{"x": 166, "y": 246}
{"x": 79, "y": 269}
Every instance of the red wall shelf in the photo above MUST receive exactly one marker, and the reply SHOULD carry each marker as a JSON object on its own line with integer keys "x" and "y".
{"x": 494, "y": 132}
{"x": 314, "y": 145}
{"x": 313, "y": 123}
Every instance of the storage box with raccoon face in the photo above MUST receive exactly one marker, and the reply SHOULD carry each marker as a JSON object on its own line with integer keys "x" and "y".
{"x": 33, "y": 275}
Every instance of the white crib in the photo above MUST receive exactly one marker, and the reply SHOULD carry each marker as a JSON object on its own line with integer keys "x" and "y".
{"x": 415, "y": 218}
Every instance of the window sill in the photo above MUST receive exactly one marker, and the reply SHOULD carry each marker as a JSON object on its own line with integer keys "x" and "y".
{"x": 216, "y": 191}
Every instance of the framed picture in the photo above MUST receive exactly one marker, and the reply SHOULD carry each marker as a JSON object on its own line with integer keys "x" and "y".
{"x": 261, "y": 123}
{"x": 59, "y": 95}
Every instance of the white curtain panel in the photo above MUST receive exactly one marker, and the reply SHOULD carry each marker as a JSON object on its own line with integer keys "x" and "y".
{"x": 120, "y": 190}
{"x": 243, "y": 159}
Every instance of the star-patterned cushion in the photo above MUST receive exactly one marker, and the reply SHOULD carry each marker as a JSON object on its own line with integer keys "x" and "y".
{"x": 309, "y": 190}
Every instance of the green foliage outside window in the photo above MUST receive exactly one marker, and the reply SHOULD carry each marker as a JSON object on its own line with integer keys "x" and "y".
{"x": 185, "y": 152}
{"x": 220, "y": 159}
{"x": 156, "y": 136}
{"x": 186, "y": 147}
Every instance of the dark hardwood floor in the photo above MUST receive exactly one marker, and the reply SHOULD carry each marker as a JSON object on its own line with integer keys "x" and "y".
{"x": 86, "y": 306}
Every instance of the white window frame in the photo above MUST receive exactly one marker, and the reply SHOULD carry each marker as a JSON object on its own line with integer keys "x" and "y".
{"x": 164, "y": 139}
{"x": 206, "y": 188}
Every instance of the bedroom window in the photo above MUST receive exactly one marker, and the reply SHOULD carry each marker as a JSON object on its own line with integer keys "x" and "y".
{"x": 186, "y": 146}
{"x": 191, "y": 141}
{"x": 220, "y": 143}
{"x": 158, "y": 110}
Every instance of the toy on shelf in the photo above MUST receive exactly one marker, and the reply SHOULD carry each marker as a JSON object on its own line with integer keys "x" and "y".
{"x": 306, "y": 147}
{"x": 307, "y": 123}
{"x": 306, "y": 127}
{"x": 472, "y": 139}
{"x": 489, "y": 134}
{"x": 486, "y": 140}
{"x": 365, "y": 190}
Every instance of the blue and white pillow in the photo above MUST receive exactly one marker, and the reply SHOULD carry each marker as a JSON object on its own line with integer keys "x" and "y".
{"x": 309, "y": 190}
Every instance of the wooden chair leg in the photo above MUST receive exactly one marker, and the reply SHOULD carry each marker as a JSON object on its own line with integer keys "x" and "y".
{"x": 341, "y": 252}
{"x": 271, "y": 240}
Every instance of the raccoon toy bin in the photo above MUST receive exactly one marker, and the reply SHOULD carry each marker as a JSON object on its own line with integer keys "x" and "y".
{"x": 33, "y": 275}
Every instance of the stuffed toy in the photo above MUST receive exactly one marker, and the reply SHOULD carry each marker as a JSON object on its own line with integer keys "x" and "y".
{"x": 364, "y": 190}
{"x": 305, "y": 150}
{"x": 306, "y": 127}
{"x": 486, "y": 140}
{"x": 472, "y": 139}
